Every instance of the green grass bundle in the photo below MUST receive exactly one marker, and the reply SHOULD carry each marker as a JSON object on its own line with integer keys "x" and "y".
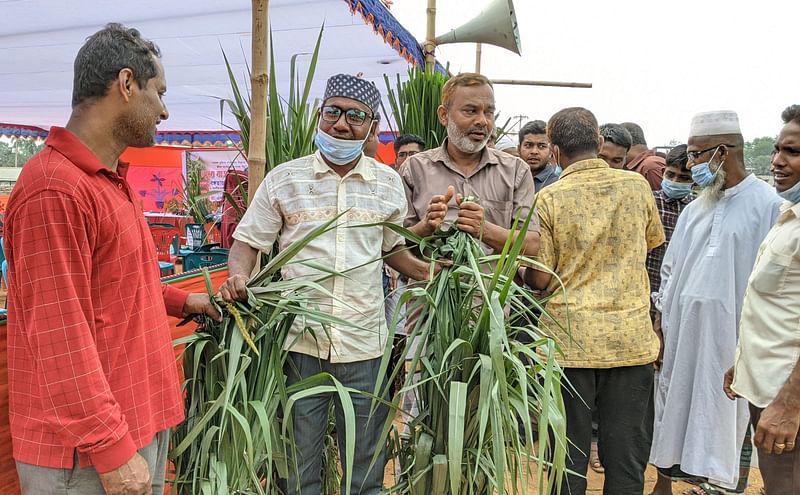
{"x": 234, "y": 440}
{"x": 476, "y": 380}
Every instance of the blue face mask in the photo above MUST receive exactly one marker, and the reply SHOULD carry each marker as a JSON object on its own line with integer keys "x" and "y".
{"x": 675, "y": 190}
{"x": 338, "y": 151}
{"x": 702, "y": 174}
{"x": 792, "y": 194}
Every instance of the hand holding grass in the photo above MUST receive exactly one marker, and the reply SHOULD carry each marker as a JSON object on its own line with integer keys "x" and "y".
{"x": 437, "y": 210}
{"x": 201, "y": 304}
{"x": 234, "y": 289}
{"x": 470, "y": 215}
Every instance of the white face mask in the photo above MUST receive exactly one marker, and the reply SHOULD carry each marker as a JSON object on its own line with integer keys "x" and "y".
{"x": 338, "y": 151}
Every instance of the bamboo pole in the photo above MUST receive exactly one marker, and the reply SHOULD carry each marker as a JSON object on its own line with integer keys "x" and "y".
{"x": 430, "y": 38}
{"x": 259, "y": 77}
{"x": 542, "y": 83}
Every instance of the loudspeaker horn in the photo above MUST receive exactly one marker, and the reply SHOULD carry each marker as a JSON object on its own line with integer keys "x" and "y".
{"x": 495, "y": 25}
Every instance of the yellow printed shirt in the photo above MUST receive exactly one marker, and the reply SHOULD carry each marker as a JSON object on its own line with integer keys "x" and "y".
{"x": 301, "y": 195}
{"x": 597, "y": 225}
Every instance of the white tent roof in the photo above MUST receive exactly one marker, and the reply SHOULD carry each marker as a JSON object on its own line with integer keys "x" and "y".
{"x": 39, "y": 40}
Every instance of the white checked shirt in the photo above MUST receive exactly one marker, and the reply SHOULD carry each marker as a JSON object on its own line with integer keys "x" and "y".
{"x": 769, "y": 334}
{"x": 299, "y": 196}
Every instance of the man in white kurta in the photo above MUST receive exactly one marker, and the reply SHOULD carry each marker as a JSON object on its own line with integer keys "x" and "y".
{"x": 704, "y": 276}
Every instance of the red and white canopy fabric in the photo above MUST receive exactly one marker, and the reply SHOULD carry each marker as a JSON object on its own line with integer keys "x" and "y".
{"x": 39, "y": 40}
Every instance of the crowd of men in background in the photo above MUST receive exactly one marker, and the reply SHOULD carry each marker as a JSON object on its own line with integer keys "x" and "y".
{"x": 679, "y": 275}
{"x": 609, "y": 208}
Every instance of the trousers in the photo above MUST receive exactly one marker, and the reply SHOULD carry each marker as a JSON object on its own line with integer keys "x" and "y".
{"x": 38, "y": 480}
{"x": 310, "y": 420}
{"x": 781, "y": 473}
{"x": 622, "y": 398}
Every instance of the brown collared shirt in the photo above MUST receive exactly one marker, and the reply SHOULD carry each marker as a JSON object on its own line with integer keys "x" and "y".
{"x": 503, "y": 183}
{"x": 651, "y": 166}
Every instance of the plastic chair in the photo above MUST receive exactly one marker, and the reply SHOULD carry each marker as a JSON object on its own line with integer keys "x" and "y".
{"x": 165, "y": 239}
{"x": 205, "y": 248}
{"x": 193, "y": 261}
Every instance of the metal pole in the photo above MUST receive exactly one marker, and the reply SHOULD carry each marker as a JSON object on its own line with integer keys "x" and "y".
{"x": 542, "y": 83}
{"x": 478, "y": 53}
{"x": 430, "y": 37}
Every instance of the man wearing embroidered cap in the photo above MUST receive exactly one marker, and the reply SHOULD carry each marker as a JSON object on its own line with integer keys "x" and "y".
{"x": 295, "y": 198}
{"x": 697, "y": 431}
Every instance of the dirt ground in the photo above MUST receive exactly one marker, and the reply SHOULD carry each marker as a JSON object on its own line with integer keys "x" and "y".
{"x": 596, "y": 483}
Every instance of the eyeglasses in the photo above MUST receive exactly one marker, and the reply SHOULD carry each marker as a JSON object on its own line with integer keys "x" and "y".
{"x": 694, "y": 155}
{"x": 352, "y": 116}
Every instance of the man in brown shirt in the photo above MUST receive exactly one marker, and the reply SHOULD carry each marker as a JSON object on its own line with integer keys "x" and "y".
{"x": 436, "y": 180}
{"x": 642, "y": 159}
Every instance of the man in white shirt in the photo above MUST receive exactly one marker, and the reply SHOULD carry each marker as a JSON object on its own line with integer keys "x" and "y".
{"x": 294, "y": 199}
{"x": 767, "y": 368}
{"x": 698, "y": 431}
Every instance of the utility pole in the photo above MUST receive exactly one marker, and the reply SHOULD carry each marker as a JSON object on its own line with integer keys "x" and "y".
{"x": 519, "y": 120}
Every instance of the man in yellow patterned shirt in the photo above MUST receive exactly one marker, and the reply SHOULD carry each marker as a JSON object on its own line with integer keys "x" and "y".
{"x": 597, "y": 225}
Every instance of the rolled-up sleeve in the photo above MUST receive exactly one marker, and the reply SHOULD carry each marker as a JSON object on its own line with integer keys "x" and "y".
{"x": 262, "y": 221}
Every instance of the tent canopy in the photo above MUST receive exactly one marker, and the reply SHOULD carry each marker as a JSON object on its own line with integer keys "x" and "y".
{"x": 39, "y": 40}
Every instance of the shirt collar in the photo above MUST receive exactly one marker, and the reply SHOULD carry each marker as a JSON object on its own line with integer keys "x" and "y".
{"x": 365, "y": 167}
{"x": 590, "y": 164}
{"x": 545, "y": 172}
{"x": 440, "y": 154}
{"x": 789, "y": 209}
{"x": 639, "y": 159}
{"x": 76, "y": 152}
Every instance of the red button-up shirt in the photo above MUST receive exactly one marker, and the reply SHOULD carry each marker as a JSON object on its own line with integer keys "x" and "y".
{"x": 90, "y": 360}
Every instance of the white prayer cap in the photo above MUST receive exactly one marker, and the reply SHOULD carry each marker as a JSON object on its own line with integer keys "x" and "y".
{"x": 504, "y": 143}
{"x": 715, "y": 123}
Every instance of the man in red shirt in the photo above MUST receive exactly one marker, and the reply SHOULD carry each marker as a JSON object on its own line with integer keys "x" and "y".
{"x": 643, "y": 160}
{"x": 93, "y": 386}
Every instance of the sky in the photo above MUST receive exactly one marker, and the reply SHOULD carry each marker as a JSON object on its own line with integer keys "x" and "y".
{"x": 655, "y": 63}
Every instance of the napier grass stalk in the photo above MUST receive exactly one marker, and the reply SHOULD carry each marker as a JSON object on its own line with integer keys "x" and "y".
{"x": 234, "y": 440}
{"x": 482, "y": 370}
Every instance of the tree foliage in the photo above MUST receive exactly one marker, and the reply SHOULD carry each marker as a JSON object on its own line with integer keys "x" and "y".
{"x": 758, "y": 154}
{"x": 18, "y": 151}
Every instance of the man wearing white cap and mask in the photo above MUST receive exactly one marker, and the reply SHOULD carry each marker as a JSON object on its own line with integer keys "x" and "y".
{"x": 698, "y": 431}
{"x": 295, "y": 198}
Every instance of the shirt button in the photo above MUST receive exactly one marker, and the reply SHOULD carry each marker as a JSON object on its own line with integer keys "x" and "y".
{"x": 119, "y": 186}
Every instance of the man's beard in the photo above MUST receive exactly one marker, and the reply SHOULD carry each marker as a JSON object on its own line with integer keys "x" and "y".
{"x": 711, "y": 194}
{"x": 133, "y": 130}
{"x": 461, "y": 140}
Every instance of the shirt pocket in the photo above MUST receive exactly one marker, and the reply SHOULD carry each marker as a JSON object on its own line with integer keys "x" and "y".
{"x": 498, "y": 212}
{"x": 770, "y": 278}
